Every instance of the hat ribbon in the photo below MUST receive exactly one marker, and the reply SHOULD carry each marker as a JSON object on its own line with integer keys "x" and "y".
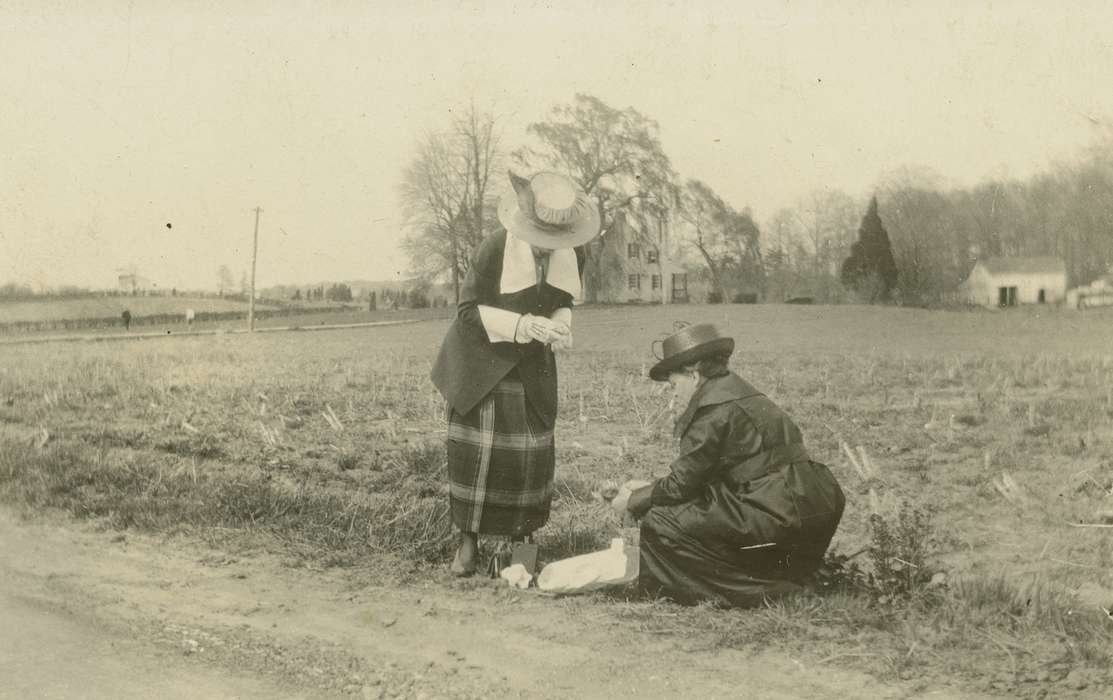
{"x": 524, "y": 192}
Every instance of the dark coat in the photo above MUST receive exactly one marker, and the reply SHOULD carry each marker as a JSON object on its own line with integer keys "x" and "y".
{"x": 744, "y": 514}
{"x": 470, "y": 365}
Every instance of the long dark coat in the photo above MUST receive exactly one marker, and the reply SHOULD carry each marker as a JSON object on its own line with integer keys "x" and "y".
{"x": 744, "y": 514}
{"x": 470, "y": 365}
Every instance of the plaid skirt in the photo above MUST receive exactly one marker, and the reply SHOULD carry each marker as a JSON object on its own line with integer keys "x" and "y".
{"x": 501, "y": 461}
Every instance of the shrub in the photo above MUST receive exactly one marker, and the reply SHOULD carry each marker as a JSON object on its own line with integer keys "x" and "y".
{"x": 899, "y": 549}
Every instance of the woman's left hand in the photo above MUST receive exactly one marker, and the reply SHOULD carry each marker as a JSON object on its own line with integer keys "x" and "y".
{"x": 563, "y": 342}
{"x": 619, "y": 502}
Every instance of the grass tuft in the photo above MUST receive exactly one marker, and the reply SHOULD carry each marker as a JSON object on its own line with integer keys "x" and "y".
{"x": 153, "y": 496}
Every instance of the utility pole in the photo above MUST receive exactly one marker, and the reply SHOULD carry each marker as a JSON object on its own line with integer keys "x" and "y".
{"x": 254, "y": 255}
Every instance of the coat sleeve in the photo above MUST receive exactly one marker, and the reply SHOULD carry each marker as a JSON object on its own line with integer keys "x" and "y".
{"x": 563, "y": 315}
{"x": 716, "y": 430}
{"x": 479, "y": 294}
{"x": 640, "y": 501}
{"x": 581, "y": 260}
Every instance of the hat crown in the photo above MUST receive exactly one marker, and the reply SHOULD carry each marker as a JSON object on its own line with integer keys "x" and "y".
{"x": 554, "y": 198}
{"x": 689, "y": 345}
{"x": 689, "y": 337}
{"x": 549, "y": 199}
{"x": 549, "y": 210}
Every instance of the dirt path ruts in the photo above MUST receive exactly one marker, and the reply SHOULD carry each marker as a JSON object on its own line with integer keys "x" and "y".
{"x": 113, "y": 615}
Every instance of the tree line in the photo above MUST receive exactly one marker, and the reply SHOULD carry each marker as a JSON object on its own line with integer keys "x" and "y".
{"x": 913, "y": 240}
{"x": 334, "y": 292}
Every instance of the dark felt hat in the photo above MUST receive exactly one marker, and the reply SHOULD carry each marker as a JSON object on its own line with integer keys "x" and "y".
{"x": 688, "y": 345}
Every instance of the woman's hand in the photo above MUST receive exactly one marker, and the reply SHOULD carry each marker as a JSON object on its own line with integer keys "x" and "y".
{"x": 541, "y": 329}
{"x": 622, "y": 499}
{"x": 619, "y": 501}
{"x": 532, "y": 327}
{"x": 563, "y": 337}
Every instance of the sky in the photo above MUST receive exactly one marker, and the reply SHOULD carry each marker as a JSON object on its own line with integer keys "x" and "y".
{"x": 119, "y": 118}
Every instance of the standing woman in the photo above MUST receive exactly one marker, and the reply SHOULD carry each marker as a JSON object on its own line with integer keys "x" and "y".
{"x": 496, "y": 367}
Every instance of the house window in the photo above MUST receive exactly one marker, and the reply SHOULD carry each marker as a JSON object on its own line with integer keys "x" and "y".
{"x": 634, "y": 281}
{"x": 656, "y": 281}
{"x": 651, "y": 255}
{"x": 1043, "y": 296}
{"x": 633, "y": 251}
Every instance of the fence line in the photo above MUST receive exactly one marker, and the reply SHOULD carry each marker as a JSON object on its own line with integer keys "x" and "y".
{"x": 14, "y": 327}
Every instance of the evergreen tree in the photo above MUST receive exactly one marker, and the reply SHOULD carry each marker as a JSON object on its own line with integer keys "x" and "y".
{"x": 871, "y": 270}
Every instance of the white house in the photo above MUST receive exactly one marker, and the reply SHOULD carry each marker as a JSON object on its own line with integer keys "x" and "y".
{"x": 132, "y": 283}
{"x": 1002, "y": 282}
{"x": 650, "y": 273}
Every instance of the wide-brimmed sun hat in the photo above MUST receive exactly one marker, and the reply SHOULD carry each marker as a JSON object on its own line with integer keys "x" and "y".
{"x": 548, "y": 210}
{"x": 688, "y": 345}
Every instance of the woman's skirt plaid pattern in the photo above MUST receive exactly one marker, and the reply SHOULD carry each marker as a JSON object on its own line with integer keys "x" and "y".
{"x": 500, "y": 464}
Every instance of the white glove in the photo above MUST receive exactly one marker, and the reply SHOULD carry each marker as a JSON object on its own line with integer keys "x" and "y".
{"x": 619, "y": 502}
{"x": 622, "y": 499}
{"x": 559, "y": 333}
{"x": 539, "y": 328}
{"x": 635, "y": 484}
{"x": 529, "y": 328}
{"x": 562, "y": 317}
{"x": 563, "y": 342}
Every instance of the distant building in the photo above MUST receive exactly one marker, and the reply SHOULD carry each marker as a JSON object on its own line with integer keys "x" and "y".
{"x": 648, "y": 272}
{"x": 1004, "y": 282}
{"x": 1097, "y": 293}
{"x": 133, "y": 284}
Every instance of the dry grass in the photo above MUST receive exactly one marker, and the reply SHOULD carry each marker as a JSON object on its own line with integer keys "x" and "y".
{"x": 330, "y": 444}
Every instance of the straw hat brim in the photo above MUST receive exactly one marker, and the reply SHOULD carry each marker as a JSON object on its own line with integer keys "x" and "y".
{"x": 522, "y": 227}
{"x": 670, "y": 364}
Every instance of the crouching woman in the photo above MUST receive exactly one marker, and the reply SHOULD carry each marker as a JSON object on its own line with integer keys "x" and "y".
{"x": 744, "y": 514}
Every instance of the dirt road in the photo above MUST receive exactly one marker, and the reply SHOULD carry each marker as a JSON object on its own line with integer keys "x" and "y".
{"x": 99, "y": 614}
{"x": 48, "y": 651}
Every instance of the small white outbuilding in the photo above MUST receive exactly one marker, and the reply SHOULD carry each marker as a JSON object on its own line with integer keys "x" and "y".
{"x": 1003, "y": 282}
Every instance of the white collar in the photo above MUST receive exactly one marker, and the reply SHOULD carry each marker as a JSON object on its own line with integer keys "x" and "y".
{"x": 519, "y": 271}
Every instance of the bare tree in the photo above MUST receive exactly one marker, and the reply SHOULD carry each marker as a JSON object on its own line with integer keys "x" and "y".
{"x": 446, "y": 196}
{"x": 826, "y": 220}
{"x": 224, "y": 279}
{"x": 829, "y": 219}
{"x": 703, "y": 210}
{"x": 920, "y": 224}
{"x": 482, "y": 157}
{"x": 727, "y": 240}
{"x": 434, "y": 204}
{"x": 782, "y": 239}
